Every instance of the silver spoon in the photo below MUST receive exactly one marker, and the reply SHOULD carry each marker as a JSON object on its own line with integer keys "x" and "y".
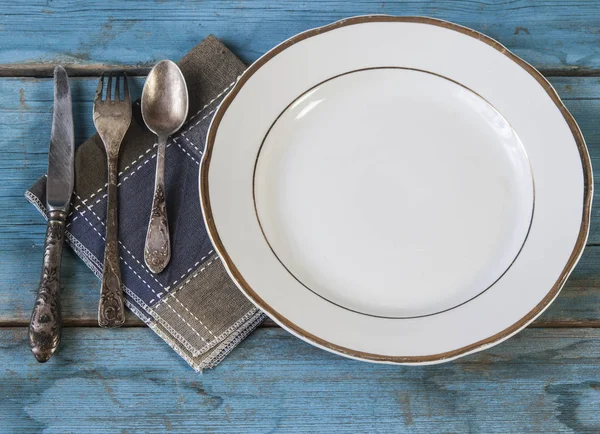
{"x": 164, "y": 109}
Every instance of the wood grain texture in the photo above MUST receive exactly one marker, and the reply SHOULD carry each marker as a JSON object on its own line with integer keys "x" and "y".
{"x": 124, "y": 381}
{"x": 25, "y": 121}
{"x": 127, "y": 381}
{"x": 560, "y": 37}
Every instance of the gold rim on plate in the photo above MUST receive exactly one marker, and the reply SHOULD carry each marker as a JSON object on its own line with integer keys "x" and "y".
{"x": 498, "y": 337}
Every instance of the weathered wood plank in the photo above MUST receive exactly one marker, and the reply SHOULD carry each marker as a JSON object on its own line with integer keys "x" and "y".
{"x": 129, "y": 381}
{"x": 26, "y": 108}
{"x": 25, "y": 119}
{"x": 558, "y": 36}
{"x": 578, "y": 305}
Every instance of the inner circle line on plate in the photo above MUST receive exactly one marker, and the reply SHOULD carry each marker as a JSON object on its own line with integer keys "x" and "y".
{"x": 308, "y": 91}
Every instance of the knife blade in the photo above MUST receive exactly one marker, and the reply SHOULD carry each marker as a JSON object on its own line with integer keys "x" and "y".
{"x": 46, "y": 321}
{"x": 59, "y": 186}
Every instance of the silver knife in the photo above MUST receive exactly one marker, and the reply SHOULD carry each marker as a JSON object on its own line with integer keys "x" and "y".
{"x": 46, "y": 321}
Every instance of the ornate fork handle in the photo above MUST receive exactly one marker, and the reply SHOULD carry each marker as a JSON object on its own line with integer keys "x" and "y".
{"x": 45, "y": 324}
{"x": 111, "y": 310}
{"x": 112, "y": 117}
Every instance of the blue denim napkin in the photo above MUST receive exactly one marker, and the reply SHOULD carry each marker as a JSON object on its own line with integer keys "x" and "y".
{"x": 193, "y": 305}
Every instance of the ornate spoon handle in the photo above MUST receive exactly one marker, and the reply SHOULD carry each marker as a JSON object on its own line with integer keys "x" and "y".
{"x": 111, "y": 310}
{"x": 157, "y": 251}
{"x": 45, "y": 324}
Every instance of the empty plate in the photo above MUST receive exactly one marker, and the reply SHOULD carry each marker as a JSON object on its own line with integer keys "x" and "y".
{"x": 401, "y": 190}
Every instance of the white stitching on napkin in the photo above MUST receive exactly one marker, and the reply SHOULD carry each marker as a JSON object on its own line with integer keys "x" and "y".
{"x": 159, "y": 295}
{"x": 197, "y": 123}
{"x": 166, "y": 288}
{"x": 189, "y": 129}
{"x": 189, "y": 270}
{"x": 231, "y": 342}
{"x": 188, "y": 311}
{"x": 145, "y": 269}
{"x": 154, "y": 145}
{"x": 186, "y": 152}
{"x": 165, "y": 324}
{"x": 127, "y": 177}
{"x": 212, "y": 100}
{"x": 190, "y": 143}
{"x": 146, "y": 283}
{"x": 189, "y": 325}
{"x": 93, "y": 227}
{"x": 104, "y": 188}
{"x": 122, "y": 245}
{"x": 120, "y": 173}
{"x": 122, "y": 258}
{"x": 94, "y": 265}
{"x": 172, "y": 294}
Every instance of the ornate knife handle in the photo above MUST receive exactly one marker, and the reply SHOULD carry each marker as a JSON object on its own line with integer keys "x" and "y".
{"x": 45, "y": 324}
{"x": 111, "y": 310}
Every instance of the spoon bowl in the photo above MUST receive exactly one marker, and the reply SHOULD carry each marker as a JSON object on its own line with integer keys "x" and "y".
{"x": 164, "y": 109}
{"x": 165, "y": 99}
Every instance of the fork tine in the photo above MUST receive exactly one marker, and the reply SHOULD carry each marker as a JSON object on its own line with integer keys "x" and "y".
{"x": 98, "y": 97}
{"x": 108, "y": 88}
{"x": 117, "y": 93}
{"x": 125, "y": 87}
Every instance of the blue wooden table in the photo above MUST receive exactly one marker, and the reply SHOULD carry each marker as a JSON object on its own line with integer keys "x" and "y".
{"x": 546, "y": 379}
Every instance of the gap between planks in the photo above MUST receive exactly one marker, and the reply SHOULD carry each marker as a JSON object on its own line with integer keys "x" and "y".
{"x": 269, "y": 323}
{"x": 129, "y": 322}
{"x": 45, "y": 70}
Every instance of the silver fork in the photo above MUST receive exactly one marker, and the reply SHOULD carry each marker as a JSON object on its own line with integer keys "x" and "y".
{"x": 112, "y": 117}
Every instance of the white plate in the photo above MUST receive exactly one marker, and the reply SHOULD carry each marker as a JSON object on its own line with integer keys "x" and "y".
{"x": 401, "y": 190}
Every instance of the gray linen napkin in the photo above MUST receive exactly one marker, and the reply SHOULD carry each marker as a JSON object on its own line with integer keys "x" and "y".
{"x": 193, "y": 305}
